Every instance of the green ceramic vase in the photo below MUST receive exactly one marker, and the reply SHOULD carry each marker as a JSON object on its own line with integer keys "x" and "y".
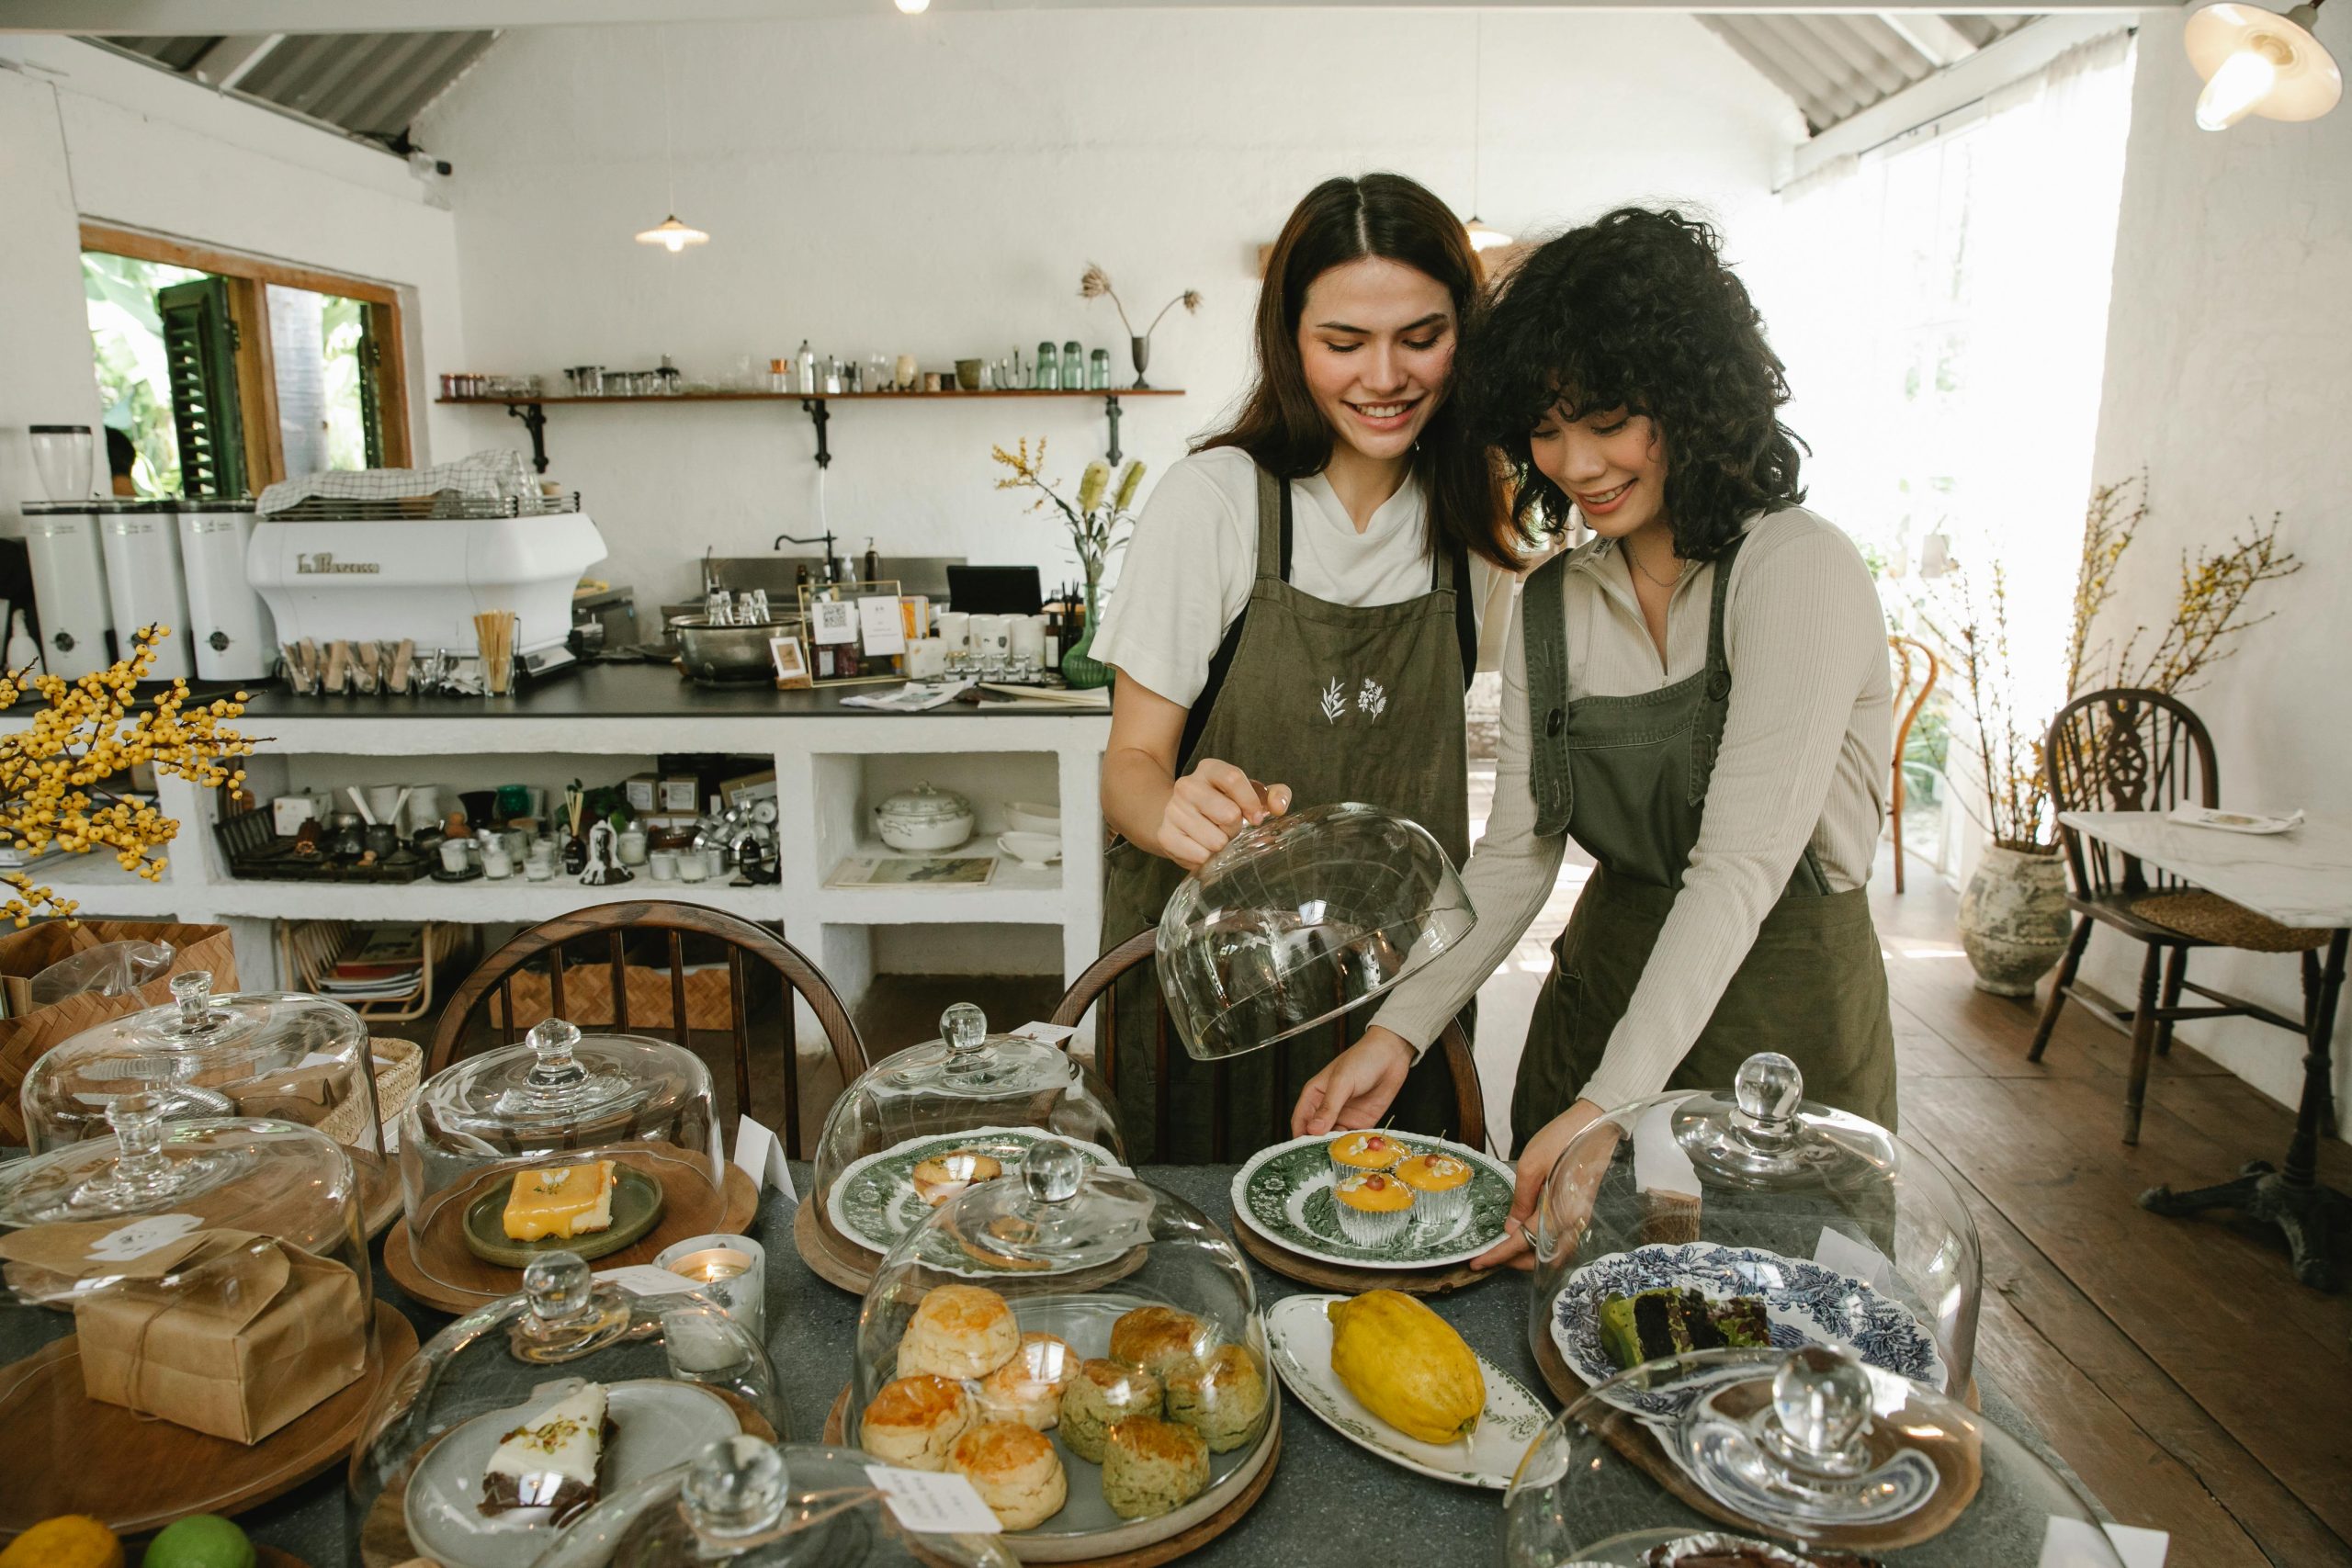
{"x": 1083, "y": 671}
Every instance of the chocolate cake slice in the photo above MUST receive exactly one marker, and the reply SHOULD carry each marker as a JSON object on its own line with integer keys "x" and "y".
{"x": 545, "y": 1471}
{"x": 1652, "y": 1323}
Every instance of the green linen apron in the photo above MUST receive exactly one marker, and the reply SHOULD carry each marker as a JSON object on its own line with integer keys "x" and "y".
{"x": 1340, "y": 702}
{"x": 1626, "y": 778}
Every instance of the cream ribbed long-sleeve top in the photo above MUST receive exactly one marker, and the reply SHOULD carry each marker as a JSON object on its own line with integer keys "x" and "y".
{"x": 1805, "y": 757}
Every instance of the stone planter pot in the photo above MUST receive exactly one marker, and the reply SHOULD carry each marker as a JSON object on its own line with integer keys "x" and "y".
{"x": 2013, "y": 919}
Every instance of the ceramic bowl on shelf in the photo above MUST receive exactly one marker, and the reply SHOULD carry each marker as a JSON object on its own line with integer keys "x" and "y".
{"x": 1031, "y": 849}
{"x": 923, "y": 819}
{"x": 1033, "y": 817}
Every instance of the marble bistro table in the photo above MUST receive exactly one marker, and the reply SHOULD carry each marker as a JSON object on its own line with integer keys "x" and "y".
{"x": 1330, "y": 1502}
{"x": 2300, "y": 878}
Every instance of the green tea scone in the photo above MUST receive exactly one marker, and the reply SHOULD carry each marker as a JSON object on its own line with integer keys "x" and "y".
{"x": 1102, "y": 1395}
{"x": 1220, "y": 1397}
{"x": 1160, "y": 1339}
{"x": 1152, "y": 1467}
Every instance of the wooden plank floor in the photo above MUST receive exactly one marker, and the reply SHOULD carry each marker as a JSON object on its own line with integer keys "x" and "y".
{"x": 2176, "y": 1363}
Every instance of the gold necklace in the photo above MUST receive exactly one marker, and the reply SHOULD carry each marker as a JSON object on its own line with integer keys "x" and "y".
{"x": 1663, "y": 582}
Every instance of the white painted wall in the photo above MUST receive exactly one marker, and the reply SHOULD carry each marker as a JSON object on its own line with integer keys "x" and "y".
{"x": 2228, "y": 338}
{"x": 88, "y": 134}
{"x": 934, "y": 186}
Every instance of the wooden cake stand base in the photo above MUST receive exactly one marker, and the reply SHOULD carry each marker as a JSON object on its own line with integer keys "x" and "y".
{"x": 1343, "y": 1277}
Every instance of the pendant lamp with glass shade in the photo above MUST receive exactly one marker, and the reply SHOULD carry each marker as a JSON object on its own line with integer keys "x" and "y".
{"x": 2260, "y": 63}
{"x": 671, "y": 234}
{"x": 1482, "y": 237}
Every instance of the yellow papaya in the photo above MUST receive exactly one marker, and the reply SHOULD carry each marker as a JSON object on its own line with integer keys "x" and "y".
{"x": 1408, "y": 1366}
{"x": 70, "y": 1540}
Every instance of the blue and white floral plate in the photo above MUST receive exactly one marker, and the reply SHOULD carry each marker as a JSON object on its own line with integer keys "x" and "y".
{"x": 1806, "y": 1304}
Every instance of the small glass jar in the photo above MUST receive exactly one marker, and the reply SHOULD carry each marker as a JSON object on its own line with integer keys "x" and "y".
{"x": 1048, "y": 369}
{"x": 1098, "y": 371}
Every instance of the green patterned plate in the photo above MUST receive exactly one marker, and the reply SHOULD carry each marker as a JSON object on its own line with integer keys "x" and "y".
{"x": 637, "y": 1208}
{"x": 1286, "y": 1194}
{"x": 875, "y": 1202}
{"x": 1298, "y": 1331}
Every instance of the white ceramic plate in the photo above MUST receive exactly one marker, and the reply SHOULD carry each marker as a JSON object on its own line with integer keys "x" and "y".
{"x": 1298, "y": 1331}
{"x": 875, "y": 1202}
{"x": 654, "y": 1422}
{"x": 1286, "y": 1194}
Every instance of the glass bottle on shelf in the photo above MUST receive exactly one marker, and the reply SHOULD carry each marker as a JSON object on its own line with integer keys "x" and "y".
{"x": 807, "y": 362}
{"x": 1098, "y": 371}
{"x": 1073, "y": 367}
{"x": 1048, "y": 371}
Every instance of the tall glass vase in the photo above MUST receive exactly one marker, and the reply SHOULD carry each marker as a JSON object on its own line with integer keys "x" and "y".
{"x": 1083, "y": 671}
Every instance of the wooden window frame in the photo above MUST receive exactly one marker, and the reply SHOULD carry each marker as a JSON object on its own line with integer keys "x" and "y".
{"x": 248, "y": 276}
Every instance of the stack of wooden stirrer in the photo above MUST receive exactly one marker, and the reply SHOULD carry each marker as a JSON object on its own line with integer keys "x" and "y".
{"x": 494, "y": 640}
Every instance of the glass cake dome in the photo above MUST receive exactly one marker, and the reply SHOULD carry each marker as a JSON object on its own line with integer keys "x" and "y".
{"x": 1695, "y": 1221}
{"x": 512, "y": 1423}
{"x": 1301, "y": 918}
{"x": 595, "y": 1144}
{"x": 747, "y": 1504}
{"x": 192, "y": 1295}
{"x": 1786, "y": 1460}
{"x": 277, "y": 1054}
{"x": 923, "y": 1124}
{"x": 1084, "y": 1347}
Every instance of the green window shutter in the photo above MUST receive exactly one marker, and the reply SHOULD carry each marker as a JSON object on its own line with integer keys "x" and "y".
{"x": 200, "y": 352}
{"x": 371, "y": 369}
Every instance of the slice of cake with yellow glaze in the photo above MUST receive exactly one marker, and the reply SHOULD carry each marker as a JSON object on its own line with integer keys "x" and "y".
{"x": 561, "y": 1200}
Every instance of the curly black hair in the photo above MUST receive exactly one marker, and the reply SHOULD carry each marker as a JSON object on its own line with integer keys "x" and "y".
{"x": 1638, "y": 311}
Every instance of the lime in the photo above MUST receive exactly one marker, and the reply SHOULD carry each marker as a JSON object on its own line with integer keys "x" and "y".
{"x": 201, "y": 1541}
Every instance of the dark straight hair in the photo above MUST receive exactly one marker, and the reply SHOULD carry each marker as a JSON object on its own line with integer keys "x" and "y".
{"x": 1340, "y": 222}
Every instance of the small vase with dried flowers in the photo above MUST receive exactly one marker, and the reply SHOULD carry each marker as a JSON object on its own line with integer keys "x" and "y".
{"x": 1095, "y": 284}
{"x": 1098, "y": 526}
{"x": 59, "y": 773}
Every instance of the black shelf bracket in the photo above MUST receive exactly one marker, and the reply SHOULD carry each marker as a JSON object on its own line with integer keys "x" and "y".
{"x": 818, "y": 415}
{"x": 535, "y": 420}
{"x": 1111, "y": 408}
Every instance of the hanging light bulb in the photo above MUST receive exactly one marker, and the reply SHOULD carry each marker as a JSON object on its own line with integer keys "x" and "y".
{"x": 1482, "y": 236}
{"x": 2257, "y": 62}
{"x": 1485, "y": 238}
{"x": 673, "y": 235}
{"x": 914, "y": 8}
{"x": 669, "y": 234}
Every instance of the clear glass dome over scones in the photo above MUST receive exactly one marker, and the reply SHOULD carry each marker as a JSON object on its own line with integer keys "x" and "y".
{"x": 1301, "y": 918}
{"x": 514, "y": 1421}
{"x": 1804, "y": 1459}
{"x": 1083, "y": 1347}
{"x": 1749, "y": 1218}
{"x": 924, "y": 1123}
{"x": 745, "y": 1504}
{"x": 572, "y": 1142}
{"x": 195, "y": 1292}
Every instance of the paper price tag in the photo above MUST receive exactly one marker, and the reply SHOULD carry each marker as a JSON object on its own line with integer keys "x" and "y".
{"x": 759, "y": 1154}
{"x": 2070, "y": 1543}
{"x": 1858, "y": 1259}
{"x": 934, "y": 1503}
{"x": 140, "y": 1237}
{"x": 883, "y": 625}
{"x": 831, "y": 621}
{"x": 644, "y": 1279}
{"x": 1047, "y": 1034}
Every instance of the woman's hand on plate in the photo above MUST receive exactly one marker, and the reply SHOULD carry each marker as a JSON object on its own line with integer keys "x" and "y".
{"x": 1356, "y": 1088}
{"x": 1211, "y": 803}
{"x": 1536, "y": 1165}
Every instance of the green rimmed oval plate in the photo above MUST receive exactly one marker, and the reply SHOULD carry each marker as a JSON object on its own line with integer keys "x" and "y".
{"x": 1286, "y": 1194}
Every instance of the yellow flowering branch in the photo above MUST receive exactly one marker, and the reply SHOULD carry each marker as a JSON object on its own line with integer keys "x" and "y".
{"x": 1096, "y": 529}
{"x": 56, "y": 772}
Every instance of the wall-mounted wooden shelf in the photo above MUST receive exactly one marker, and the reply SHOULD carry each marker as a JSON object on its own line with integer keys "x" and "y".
{"x": 532, "y": 411}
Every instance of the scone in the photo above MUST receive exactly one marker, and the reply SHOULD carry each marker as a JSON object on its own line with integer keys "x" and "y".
{"x": 1220, "y": 1397}
{"x": 960, "y": 1331}
{"x": 913, "y": 1421}
{"x": 1016, "y": 1470}
{"x": 1160, "y": 1339}
{"x": 1102, "y": 1395}
{"x": 1028, "y": 1388}
{"x": 941, "y": 1176}
{"x": 1152, "y": 1467}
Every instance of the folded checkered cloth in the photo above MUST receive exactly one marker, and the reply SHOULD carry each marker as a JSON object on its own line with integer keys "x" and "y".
{"x": 499, "y": 472}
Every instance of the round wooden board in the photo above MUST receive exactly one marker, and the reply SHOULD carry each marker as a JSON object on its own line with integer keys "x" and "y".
{"x": 1340, "y": 1277}
{"x": 830, "y": 1255}
{"x": 1185, "y": 1540}
{"x": 458, "y": 1281}
{"x": 157, "y": 1470}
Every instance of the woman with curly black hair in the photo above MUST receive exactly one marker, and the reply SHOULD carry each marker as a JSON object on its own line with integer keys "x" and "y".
{"x": 1697, "y": 695}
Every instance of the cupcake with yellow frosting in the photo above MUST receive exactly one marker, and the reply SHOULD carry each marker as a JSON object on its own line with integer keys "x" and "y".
{"x": 1373, "y": 1208}
{"x": 1354, "y": 1154}
{"x": 1441, "y": 1184}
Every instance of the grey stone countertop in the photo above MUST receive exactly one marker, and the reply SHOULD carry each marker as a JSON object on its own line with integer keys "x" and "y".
{"x": 1330, "y": 1502}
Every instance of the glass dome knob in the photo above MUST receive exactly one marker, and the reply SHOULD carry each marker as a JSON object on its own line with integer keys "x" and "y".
{"x": 1053, "y": 1171}
{"x": 140, "y": 1170}
{"x": 558, "y": 1284}
{"x": 193, "y": 992}
{"x": 964, "y": 1027}
{"x": 552, "y": 1040}
{"x": 1768, "y": 1088}
{"x": 738, "y": 1487}
{"x": 1821, "y": 1406}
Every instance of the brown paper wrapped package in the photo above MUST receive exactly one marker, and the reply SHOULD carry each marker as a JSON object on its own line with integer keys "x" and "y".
{"x": 249, "y": 1334}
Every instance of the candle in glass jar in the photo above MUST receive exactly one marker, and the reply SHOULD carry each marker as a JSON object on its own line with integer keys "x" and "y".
{"x": 711, "y": 1265}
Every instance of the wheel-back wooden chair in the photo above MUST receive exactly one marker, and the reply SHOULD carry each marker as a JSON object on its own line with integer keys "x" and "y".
{"x": 1120, "y": 965}
{"x": 1911, "y": 652}
{"x": 2127, "y": 749}
{"x": 602, "y": 986}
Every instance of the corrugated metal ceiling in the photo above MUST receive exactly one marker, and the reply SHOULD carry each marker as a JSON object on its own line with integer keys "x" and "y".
{"x": 1836, "y": 65}
{"x": 370, "y": 84}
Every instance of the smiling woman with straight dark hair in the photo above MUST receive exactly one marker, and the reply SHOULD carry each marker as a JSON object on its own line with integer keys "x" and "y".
{"x": 1300, "y": 611}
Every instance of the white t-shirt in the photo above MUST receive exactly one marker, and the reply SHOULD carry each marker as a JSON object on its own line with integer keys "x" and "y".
{"x": 1195, "y": 555}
